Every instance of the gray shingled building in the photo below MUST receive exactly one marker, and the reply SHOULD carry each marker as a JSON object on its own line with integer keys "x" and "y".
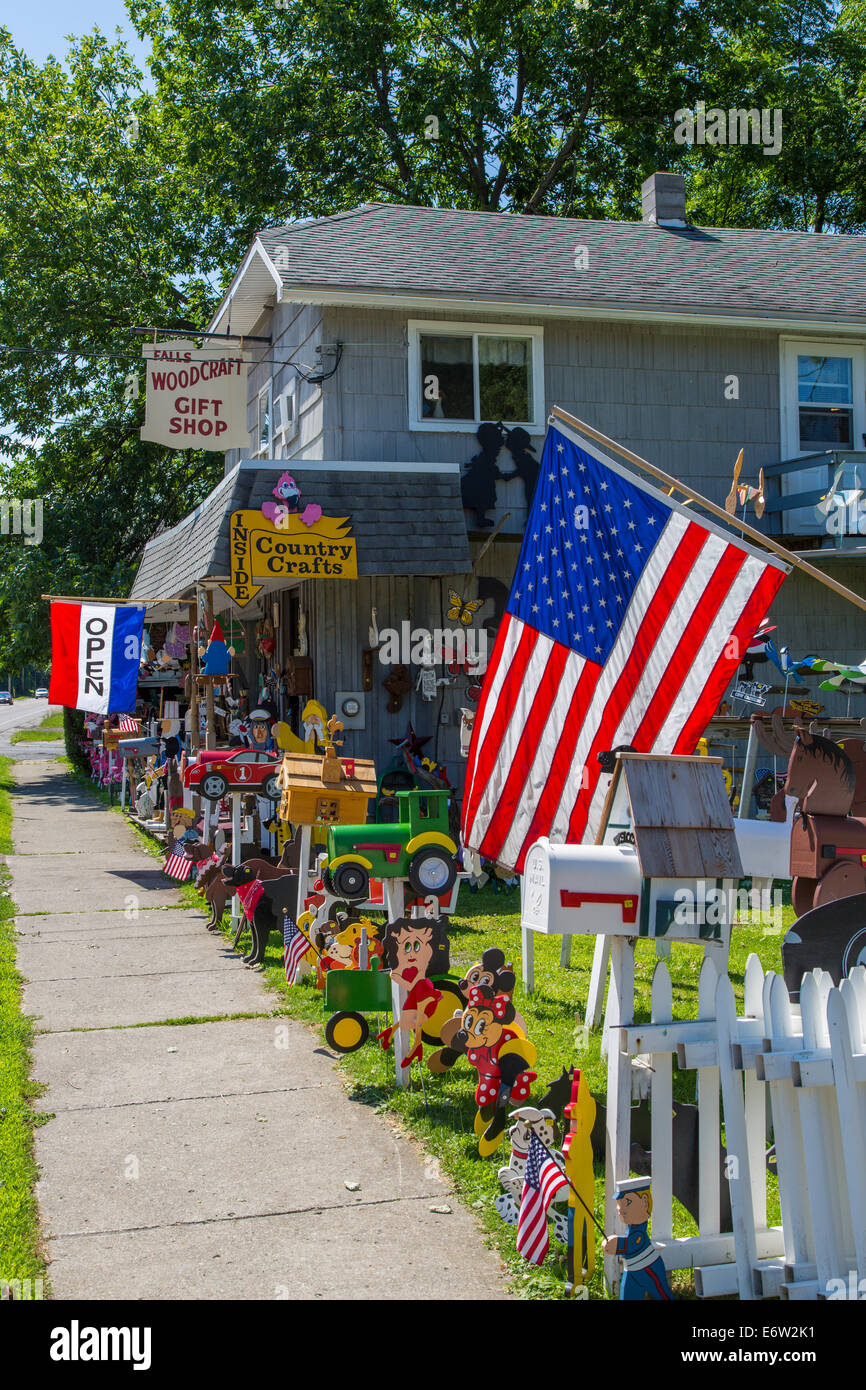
{"x": 683, "y": 343}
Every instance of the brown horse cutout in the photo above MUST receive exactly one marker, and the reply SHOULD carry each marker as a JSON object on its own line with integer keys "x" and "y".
{"x": 828, "y": 845}
{"x": 828, "y": 778}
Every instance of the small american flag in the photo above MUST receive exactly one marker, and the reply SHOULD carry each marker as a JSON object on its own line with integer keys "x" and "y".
{"x": 541, "y": 1182}
{"x": 295, "y": 946}
{"x": 128, "y": 725}
{"x": 627, "y": 618}
{"x": 177, "y": 866}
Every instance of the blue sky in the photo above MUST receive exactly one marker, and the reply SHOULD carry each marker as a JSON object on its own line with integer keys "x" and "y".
{"x": 41, "y": 28}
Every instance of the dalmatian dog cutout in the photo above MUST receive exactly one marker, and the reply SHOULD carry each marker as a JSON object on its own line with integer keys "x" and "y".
{"x": 528, "y": 1118}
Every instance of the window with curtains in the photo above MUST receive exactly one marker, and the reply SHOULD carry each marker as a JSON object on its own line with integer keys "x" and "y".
{"x": 461, "y": 374}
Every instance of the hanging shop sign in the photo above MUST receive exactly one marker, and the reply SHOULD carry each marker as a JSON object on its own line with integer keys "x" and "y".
{"x": 261, "y": 550}
{"x": 196, "y": 397}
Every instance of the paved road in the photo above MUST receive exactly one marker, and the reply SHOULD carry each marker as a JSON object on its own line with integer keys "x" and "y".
{"x": 27, "y": 713}
{"x": 206, "y": 1160}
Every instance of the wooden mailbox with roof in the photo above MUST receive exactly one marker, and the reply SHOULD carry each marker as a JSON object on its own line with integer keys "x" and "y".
{"x": 676, "y": 811}
{"x": 666, "y": 825}
{"x": 309, "y": 799}
{"x": 665, "y": 860}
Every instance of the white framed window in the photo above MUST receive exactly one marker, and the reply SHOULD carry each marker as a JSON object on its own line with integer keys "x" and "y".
{"x": 285, "y": 420}
{"x": 264, "y": 423}
{"x": 823, "y": 398}
{"x": 463, "y": 373}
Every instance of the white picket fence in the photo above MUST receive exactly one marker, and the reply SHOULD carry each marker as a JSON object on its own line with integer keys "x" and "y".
{"x": 809, "y": 1063}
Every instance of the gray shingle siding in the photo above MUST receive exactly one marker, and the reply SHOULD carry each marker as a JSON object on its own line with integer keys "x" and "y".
{"x": 404, "y": 523}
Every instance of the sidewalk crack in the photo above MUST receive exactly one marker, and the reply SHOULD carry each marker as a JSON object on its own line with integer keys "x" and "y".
{"x": 316, "y": 1210}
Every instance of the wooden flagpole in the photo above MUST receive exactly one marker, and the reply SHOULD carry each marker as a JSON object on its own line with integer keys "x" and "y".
{"x": 767, "y": 541}
{"x": 123, "y": 602}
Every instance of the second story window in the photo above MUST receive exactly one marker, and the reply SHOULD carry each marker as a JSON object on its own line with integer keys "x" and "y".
{"x": 825, "y": 396}
{"x": 461, "y": 374}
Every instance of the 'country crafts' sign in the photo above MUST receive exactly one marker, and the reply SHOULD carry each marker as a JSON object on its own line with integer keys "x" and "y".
{"x": 196, "y": 397}
{"x": 262, "y": 550}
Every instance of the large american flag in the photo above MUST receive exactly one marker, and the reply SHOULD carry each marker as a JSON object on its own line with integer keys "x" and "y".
{"x": 542, "y": 1179}
{"x": 618, "y": 631}
{"x": 295, "y": 946}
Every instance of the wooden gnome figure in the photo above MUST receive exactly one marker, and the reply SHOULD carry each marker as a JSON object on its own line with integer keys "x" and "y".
{"x": 643, "y": 1267}
{"x": 577, "y": 1152}
{"x": 216, "y": 658}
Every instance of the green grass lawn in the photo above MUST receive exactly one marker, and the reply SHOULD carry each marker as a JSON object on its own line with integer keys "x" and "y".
{"x": 439, "y": 1110}
{"x": 50, "y": 728}
{"x": 20, "y": 1249}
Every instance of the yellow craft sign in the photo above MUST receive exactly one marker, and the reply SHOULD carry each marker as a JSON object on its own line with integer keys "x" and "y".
{"x": 263, "y": 550}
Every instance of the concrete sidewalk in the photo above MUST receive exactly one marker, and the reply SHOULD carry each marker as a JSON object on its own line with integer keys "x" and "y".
{"x": 206, "y": 1160}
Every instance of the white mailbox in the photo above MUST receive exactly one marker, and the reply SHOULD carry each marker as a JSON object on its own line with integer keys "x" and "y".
{"x": 765, "y": 846}
{"x": 585, "y": 889}
{"x": 663, "y": 866}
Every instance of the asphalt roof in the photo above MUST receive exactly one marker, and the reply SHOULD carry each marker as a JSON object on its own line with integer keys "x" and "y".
{"x": 404, "y": 523}
{"x": 397, "y": 250}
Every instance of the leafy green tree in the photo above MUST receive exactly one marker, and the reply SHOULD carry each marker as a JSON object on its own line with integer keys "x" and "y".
{"x": 309, "y": 107}
{"x": 122, "y": 206}
{"x": 95, "y": 237}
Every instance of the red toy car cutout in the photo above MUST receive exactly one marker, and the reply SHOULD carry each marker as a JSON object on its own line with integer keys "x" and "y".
{"x": 238, "y": 769}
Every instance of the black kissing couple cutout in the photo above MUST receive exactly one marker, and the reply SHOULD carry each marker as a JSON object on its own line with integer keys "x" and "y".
{"x": 478, "y": 483}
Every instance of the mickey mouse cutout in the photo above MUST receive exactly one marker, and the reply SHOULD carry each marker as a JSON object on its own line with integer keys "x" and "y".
{"x": 502, "y": 1056}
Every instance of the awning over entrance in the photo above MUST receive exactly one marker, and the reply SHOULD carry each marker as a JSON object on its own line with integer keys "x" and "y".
{"x": 405, "y": 519}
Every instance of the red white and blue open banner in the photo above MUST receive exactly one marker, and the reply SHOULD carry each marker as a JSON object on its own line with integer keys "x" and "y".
{"x": 95, "y": 656}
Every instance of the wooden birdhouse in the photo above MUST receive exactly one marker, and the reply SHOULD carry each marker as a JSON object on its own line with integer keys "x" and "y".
{"x": 308, "y": 799}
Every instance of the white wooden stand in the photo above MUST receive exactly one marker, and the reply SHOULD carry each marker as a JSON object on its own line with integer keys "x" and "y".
{"x": 394, "y": 900}
{"x": 237, "y": 909}
{"x": 618, "y": 1117}
{"x": 303, "y": 868}
{"x": 597, "y": 982}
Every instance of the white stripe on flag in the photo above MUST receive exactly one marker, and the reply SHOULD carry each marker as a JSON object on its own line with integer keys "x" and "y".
{"x": 515, "y": 729}
{"x": 540, "y": 766}
{"x": 493, "y": 689}
{"x": 724, "y": 624}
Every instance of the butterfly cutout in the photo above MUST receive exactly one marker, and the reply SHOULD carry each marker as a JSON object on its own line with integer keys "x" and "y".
{"x": 463, "y": 610}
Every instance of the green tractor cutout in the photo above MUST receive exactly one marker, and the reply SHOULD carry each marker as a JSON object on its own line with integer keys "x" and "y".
{"x": 417, "y": 847}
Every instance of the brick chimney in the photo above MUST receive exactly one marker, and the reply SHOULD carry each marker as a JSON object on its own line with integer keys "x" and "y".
{"x": 663, "y": 199}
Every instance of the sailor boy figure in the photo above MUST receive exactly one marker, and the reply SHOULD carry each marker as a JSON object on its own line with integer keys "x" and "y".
{"x": 643, "y": 1267}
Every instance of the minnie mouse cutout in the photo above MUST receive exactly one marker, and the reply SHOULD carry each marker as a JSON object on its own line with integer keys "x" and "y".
{"x": 501, "y": 1054}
